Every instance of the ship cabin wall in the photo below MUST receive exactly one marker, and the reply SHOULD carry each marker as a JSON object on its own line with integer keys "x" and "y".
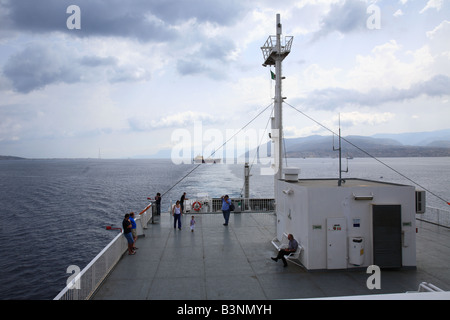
{"x": 305, "y": 207}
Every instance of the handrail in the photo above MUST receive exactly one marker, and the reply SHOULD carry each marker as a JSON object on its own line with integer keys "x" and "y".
{"x": 438, "y": 216}
{"x": 89, "y": 279}
{"x": 84, "y": 284}
{"x": 428, "y": 287}
{"x": 214, "y": 205}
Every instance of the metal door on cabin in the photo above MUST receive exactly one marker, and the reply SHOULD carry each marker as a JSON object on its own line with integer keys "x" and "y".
{"x": 336, "y": 243}
{"x": 387, "y": 236}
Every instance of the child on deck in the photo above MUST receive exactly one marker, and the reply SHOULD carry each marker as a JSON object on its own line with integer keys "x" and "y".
{"x": 192, "y": 224}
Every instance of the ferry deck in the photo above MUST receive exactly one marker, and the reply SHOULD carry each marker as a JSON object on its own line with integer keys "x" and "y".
{"x": 217, "y": 262}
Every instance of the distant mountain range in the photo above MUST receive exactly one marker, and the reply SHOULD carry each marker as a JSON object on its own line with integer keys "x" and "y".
{"x": 420, "y": 144}
{"x": 440, "y": 138}
{"x": 10, "y": 158}
{"x": 416, "y": 144}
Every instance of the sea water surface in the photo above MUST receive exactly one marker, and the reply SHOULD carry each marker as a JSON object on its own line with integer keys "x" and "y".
{"x": 55, "y": 212}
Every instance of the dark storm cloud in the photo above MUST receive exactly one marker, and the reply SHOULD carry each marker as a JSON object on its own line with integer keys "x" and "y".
{"x": 146, "y": 21}
{"x": 222, "y": 12}
{"x": 217, "y": 49}
{"x": 192, "y": 67}
{"x": 209, "y": 50}
{"x": 139, "y": 19}
{"x": 37, "y": 66}
{"x": 94, "y": 61}
{"x": 344, "y": 17}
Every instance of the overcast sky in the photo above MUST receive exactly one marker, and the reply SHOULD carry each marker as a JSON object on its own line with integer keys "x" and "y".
{"x": 139, "y": 70}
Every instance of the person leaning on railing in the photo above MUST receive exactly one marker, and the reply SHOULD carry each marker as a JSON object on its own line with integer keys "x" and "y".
{"x": 126, "y": 224}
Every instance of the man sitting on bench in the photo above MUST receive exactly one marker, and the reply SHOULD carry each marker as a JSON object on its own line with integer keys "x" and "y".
{"x": 293, "y": 245}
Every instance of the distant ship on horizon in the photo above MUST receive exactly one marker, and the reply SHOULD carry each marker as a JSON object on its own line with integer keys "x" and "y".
{"x": 201, "y": 159}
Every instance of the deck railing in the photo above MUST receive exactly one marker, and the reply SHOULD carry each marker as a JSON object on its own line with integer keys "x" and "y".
{"x": 214, "y": 205}
{"x": 84, "y": 285}
{"x": 88, "y": 280}
{"x": 434, "y": 215}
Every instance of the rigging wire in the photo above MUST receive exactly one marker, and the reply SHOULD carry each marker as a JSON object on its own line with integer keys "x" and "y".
{"x": 248, "y": 123}
{"x": 182, "y": 179}
{"x": 368, "y": 154}
{"x": 232, "y": 137}
{"x": 321, "y": 125}
{"x": 257, "y": 149}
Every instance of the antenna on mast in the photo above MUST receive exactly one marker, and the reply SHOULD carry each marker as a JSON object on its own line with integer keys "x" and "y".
{"x": 274, "y": 51}
{"x": 340, "y": 155}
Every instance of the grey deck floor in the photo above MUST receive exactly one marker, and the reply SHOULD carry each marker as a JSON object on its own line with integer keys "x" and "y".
{"x": 233, "y": 263}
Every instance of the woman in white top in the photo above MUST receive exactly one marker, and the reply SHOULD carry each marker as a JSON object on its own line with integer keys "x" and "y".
{"x": 176, "y": 212}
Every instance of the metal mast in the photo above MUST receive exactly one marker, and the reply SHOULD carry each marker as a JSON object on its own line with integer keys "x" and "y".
{"x": 274, "y": 52}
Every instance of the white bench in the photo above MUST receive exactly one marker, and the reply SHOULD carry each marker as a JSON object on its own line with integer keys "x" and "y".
{"x": 284, "y": 244}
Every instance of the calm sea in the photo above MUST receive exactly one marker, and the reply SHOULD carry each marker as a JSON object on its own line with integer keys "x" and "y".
{"x": 54, "y": 212}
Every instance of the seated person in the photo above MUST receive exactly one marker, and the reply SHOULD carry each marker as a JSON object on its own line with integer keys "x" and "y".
{"x": 292, "y": 247}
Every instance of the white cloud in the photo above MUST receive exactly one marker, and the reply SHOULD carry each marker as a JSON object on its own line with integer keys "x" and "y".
{"x": 9, "y": 129}
{"x": 349, "y": 120}
{"x": 433, "y": 4}
{"x": 317, "y": 77}
{"x": 182, "y": 119}
{"x": 386, "y": 67}
{"x": 398, "y": 13}
{"x": 137, "y": 70}
{"x": 334, "y": 98}
{"x": 439, "y": 44}
{"x": 356, "y": 118}
{"x": 439, "y": 48}
{"x": 370, "y": 71}
{"x": 442, "y": 29}
{"x": 296, "y": 132}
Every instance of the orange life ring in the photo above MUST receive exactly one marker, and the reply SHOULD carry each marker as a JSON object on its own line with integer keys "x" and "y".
{"x": 197, "y": 207}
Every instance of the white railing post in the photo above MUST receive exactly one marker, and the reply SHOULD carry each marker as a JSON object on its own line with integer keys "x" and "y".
{"x": 434, "y": 215}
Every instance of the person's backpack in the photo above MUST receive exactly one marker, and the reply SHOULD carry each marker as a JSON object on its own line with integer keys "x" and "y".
{"x": 231, "y": 206}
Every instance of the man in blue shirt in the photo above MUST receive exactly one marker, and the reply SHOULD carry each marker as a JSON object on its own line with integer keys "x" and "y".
{"x": 292, "y": 247}
{"x": 126, "y": 224}
{"x": 226, "y": 208}
{"x": 133, "y": 229}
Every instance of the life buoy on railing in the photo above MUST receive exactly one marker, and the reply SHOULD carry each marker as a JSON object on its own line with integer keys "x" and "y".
{"x": 197, "y": 206}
